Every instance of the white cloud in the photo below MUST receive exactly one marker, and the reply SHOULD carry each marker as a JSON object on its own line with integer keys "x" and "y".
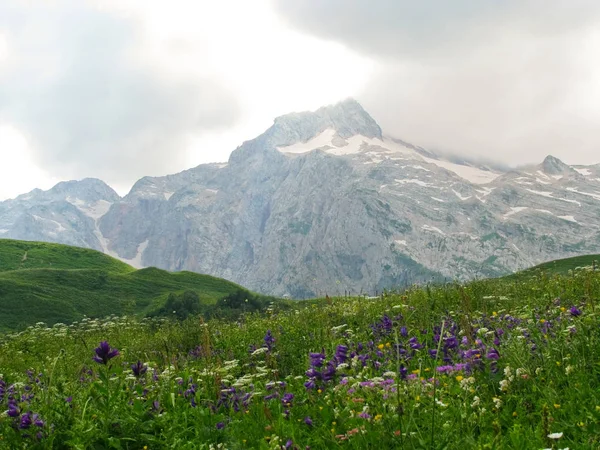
{"x": 270, "y": 68}
{"x": 3, "y": 48}
{"x": 511, "y": 81}
{"x": 118, "y": 89}
{"x": 18, "y": 171}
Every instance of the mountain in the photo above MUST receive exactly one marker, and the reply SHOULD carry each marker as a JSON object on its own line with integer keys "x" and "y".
{"x": 43, "y": 282}
{"x": 68, "y": 214}
{"x": 326, "y": 202}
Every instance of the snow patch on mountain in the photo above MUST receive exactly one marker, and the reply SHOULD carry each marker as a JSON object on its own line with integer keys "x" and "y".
{"x": 433, "y": 229}
{"x": 380, "y": 149}
{"x": 595, "y": 196}
{"x": 414, "y": 181}
{"x": 458, "y": 194}
{"x": 514, "y": 210}
{"x": 94, "y": 210}
{"x": 471, "y": 174}
{"x": 568, "y": 218}
{"x": 549, "y": 195}
{"x": 58, "y": 226}
{"x": 137, "y": 260}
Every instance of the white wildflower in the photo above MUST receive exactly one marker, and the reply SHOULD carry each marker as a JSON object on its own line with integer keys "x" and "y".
{"x": 259, "y": 351}
{"x": 476, "y": 401}
{"x": 466, "y": 383}
{"x": 338, "y": 328}
{"x": 569, "y": 370}
{"x": 555, "y": 435}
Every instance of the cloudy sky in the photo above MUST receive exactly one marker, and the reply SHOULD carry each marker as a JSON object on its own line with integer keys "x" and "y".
{"x": 119, "y": 89}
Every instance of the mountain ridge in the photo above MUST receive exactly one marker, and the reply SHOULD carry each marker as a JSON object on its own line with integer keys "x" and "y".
{"x": 323, "y": 202}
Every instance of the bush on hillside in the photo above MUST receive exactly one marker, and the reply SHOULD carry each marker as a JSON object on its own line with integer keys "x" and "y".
{"x": 180, "y": 306}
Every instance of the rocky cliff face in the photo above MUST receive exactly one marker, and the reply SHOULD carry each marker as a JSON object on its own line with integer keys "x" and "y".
{"x": 324, "y": 202}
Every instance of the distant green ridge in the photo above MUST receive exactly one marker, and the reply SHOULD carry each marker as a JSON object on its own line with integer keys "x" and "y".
{"x": 16, "y": 255}
{"x": 42, "y": 282}
{"x": 561, "y": 266}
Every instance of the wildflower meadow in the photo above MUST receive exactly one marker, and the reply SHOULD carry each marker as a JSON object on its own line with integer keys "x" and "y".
{"x": 498, "y": 364}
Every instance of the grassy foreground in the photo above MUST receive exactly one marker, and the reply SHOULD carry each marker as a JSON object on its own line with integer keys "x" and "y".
{"x": 498, "y": 364}
{"x": 56, "y": 283}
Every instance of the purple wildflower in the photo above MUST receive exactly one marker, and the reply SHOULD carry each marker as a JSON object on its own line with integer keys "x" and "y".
{"x": 139, "y": 369}
{"x": 574, "y": 311}
{"x": 13, "y": 410}
{"x": 493, "y": 354}
{"x": 329, "y": 372}
{"x": 105, "y": 353}
{"x": 220, "y": 425}
{"x": 341, "y": 353}
{"x": 37, "y": 421}
{"x": 286, "y": 400}
{"x": 269, "y": 340}
{"x": 317, "y": 359}
{"x": 25, "y": 421}
{"x": 156, "y": 406}
{"x": 414, "y": 343}
{"x": 308, "y": 421}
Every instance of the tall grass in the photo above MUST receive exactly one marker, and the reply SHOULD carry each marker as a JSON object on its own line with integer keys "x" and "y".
{"x": 493, "y": 364}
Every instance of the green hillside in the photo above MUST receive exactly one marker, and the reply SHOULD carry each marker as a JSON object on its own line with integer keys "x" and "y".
{"x": 561, "y": 266}
{"x": 57, "y": 283}
{"x": 16, "y": 255}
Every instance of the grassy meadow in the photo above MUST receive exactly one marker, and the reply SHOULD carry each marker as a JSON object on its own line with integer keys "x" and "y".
{"x": 494, "y": 364}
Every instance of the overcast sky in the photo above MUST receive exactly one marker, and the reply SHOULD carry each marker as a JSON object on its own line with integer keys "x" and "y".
{"x": 119, "y": 89}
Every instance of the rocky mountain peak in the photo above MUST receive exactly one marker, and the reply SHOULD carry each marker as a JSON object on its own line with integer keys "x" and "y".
{"x": 554, "y": 166}
{"x": 347, "y": 118}
{"x": 88, "y": 190}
